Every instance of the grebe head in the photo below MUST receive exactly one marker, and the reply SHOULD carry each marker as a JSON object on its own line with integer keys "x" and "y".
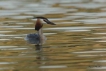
{"x": 39, "y": 24}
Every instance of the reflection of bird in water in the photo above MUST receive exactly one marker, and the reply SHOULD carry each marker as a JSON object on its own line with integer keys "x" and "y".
{"x": 38, "y": 38}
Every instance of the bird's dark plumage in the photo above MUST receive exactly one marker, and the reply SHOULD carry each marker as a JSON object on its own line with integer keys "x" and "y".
{"x": 33, "y": 38}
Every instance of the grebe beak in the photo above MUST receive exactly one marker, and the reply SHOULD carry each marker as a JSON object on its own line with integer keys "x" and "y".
{"x": 48, "y": 22}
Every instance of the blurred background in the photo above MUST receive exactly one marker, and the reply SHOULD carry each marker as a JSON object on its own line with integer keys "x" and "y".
{"x": 76, "y": 43}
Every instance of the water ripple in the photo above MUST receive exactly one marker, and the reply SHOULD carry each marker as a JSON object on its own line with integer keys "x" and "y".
{"x": 58, "y": 66}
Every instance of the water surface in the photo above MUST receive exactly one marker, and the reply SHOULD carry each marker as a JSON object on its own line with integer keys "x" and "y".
{"x": 76, "y": 43}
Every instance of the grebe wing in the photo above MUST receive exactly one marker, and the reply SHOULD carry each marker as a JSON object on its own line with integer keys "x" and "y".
{"x": 32, "y": 38}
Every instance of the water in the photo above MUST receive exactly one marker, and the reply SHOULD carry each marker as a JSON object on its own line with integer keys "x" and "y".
{"x": 76, "y": 43}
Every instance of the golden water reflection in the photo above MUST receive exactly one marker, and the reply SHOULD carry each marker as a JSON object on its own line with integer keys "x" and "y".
{"x": 77, "y": 42}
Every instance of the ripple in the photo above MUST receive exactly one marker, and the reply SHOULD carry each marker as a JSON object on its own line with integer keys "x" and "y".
{"x": 57, "y": 66}
{"x": 42, "y": 11}
{"x": 77, "y": 30}
{"x": 15, "y": 49}
{"x": 100, "y": 49}
{"x": 4, "y": 13}
{"x": 93, "y": 21}
{"x": 84, "y": 14}
{"x": 90, "y": 15}
{"x": 73, "y": 17}
{"x": 24, "y": 23}
{"x": 49, "y": 33}
{"x": 104, "y": 9}
{"x": 10, "y": 4}
{"x": 5, "y": 68}
{"x": 100, "y": 33}
{"x": 89, "y": 52}
{"x": 100, "y": 61}
{"x": 96, "y": 38}
{"x": 35, "y": 13}
{"x": 85, "y": 5}
{"x": 101, "y": 41}
{"x": 68, "y": 22}
{"x": 101, "y": 1}
{"x": 18, "y": 37}
{"x": 7, "y": 14}
{"x": 91, "y": 55}
{"x": 20, "y": 17}
{"x": 23, "y": 28}
{"x": 10, "y": 26}
{"x": 10, "y": 22}
{"x": 17, "y": 56}
{"x": 7, "y": 63}
{"x": 88, "y": 55}
{"x": 100, "y": 68}
{"x": 5, "y": 31}
{"x": 62, "y": 1}
{"x": 4, "y": 39}
{"x": 13, "y": 35}
{"x": 101, "y": 14}
{"x": 8, "y": 47}
{"x": 10, "y": 13}
{"x": 71, "y": 10}
{"x": 70, "y": 28}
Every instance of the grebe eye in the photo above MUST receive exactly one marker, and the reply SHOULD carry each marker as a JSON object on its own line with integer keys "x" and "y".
{"x": 44, "y": 20}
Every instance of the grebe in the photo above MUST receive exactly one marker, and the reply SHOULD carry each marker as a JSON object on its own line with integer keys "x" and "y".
{"x": 38, "y": 38}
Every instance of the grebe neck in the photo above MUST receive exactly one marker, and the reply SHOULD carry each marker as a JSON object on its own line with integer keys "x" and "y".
{"x": 40, "y": 33}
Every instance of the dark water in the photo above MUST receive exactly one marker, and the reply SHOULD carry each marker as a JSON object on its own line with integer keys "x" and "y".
{"x": 76, "y": 43}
